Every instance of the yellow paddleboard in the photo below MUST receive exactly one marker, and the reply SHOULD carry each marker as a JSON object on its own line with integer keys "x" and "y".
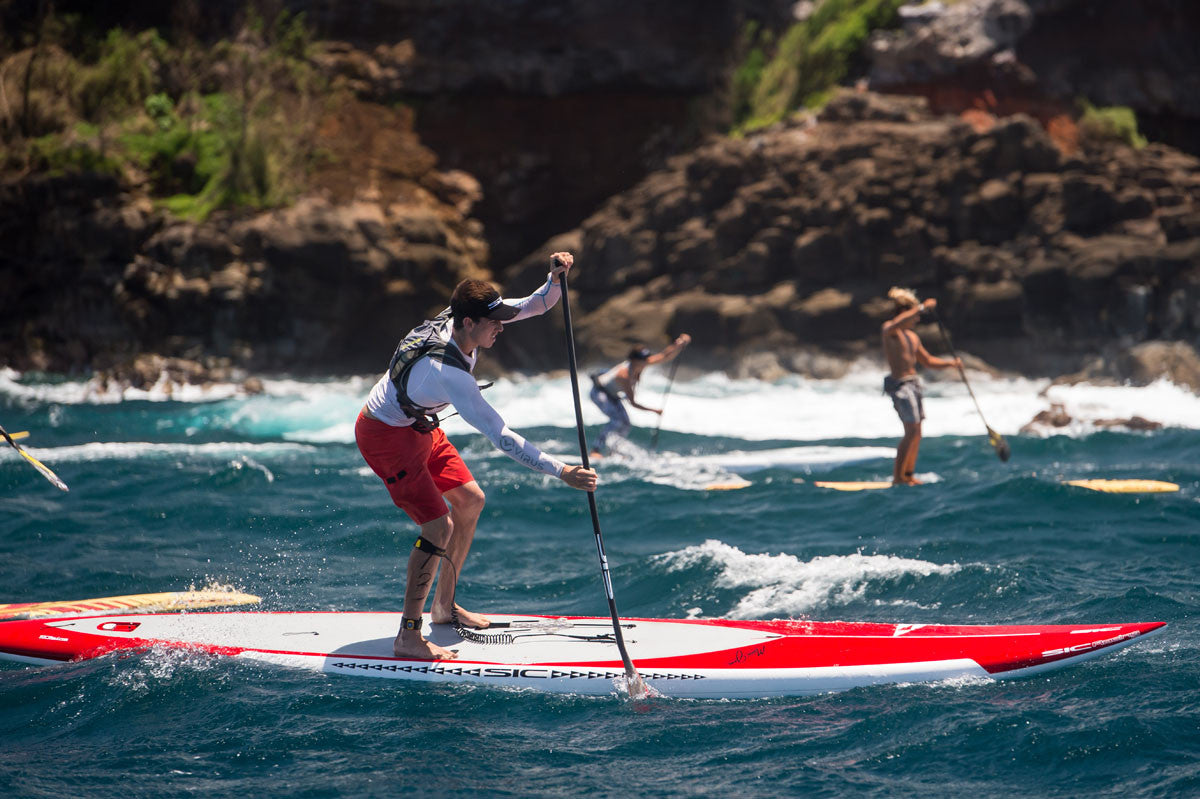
{"x": 726, "y": 486}
{"x": 1125, "y": 486}
{"x": 171, "y": 600}
{"x": 861, "y": 486}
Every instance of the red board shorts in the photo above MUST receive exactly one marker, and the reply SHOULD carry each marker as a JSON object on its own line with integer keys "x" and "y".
{"x": 416, "y": 467}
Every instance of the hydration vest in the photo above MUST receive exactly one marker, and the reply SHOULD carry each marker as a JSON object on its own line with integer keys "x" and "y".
{"x": 607, "y": 387}
{"x": 422, "y": 342}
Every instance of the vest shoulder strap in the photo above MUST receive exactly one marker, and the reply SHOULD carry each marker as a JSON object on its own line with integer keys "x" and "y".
{"x": 422, "y": 341}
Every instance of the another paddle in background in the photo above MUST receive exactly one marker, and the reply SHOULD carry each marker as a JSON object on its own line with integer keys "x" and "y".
{"x": 41, "y": 467}
{"x": 666, "y": 393}
{"x": 994, "y": 438}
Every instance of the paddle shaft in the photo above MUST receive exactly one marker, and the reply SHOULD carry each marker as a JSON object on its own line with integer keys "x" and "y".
{"x": 9, "y": 437}
{"x": 958, "y": 362}
{"x": 630, "y": 671}
{"x": 994, "y": 438}
{"x": 666, "y": 393}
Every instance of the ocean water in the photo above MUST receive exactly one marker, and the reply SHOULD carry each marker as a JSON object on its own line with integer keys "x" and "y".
{"x": 268, "y": 494}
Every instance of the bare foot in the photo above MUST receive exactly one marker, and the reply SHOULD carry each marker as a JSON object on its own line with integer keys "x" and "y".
{"x": 414, "y": 646}
{"x": 912, "y": 481}
{"x": 465, "y": 617}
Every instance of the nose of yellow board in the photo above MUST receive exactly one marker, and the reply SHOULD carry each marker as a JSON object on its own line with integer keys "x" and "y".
{"x": 145, "y": 603}
{"x": 859, "y": 486}
{"x": 1125, "y": 486}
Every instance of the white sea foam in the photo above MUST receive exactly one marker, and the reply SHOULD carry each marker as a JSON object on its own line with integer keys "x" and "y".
{"x": 1161, "y": 401}
{"x": 791, "y": 409}
{"x": 87, "y": 392}
{"x": 159, "y": 664}
{"x": 698, "y": 472}
{"x": 128, "y": 450}
{"x": 800, "y": 459}
{"x": 784, "y": 585}
{"x": 803, "y": 409}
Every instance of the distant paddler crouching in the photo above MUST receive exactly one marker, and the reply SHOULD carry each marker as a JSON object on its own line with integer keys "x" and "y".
{"x": 399, "y": 436}
{"x": 903, "y": 349}
{"x": 608, "y": 389}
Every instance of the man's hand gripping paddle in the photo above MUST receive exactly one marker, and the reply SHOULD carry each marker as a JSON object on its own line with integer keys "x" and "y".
{"x": 635, "y": 684}
{"x": 994, "y": 438}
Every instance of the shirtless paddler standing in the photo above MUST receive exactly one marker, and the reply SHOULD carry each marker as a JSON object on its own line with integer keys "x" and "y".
{"x": 903, "y": 349}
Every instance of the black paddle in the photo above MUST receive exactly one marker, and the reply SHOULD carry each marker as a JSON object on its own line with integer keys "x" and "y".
{"x": 637, "y": 688}
{"x": 667, "y": 393}
{"x": 994, "y": 438}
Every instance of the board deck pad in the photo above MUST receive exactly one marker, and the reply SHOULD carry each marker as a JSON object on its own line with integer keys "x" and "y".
{"x": 867, "y": 485}
{"x": 701, "y": 658}
{"x": 1126, "y": 486}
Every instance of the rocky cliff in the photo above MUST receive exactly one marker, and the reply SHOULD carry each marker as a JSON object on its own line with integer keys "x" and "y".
{"x": 97, "y": 274}
{"x": 1045, "y": 56}
{"x": 775, "y": 251}
{"x": 479, "y": 131}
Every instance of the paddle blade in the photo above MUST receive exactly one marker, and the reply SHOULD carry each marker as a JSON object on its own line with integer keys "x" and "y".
{"x": 997, "y": 441}
{"x": 45, "y": 470}
{"x": 636, "y": 686}
{"x": 34, "y": 462}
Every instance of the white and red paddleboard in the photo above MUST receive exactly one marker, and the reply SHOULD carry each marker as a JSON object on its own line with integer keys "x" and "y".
{"x": 702, "y": 658}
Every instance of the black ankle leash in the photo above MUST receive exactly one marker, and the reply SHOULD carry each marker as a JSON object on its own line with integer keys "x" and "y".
{"x": 467, "y": 634}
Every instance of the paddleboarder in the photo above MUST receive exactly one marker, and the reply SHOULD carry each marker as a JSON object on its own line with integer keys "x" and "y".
{"x": 903, "y": 350}
{"x": 399, "y": 436}
{"x": 619, "y": 383}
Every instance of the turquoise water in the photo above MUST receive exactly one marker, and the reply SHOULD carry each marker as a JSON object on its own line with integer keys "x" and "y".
{"x": 268, "y": 494}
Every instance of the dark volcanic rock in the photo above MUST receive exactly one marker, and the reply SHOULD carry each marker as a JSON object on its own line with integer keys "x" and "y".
{"x": 554, "y": 107}
{"x": 1046, "y": 54}
{"x": 1056, "y": 418}
{"x": 788, "y": 239}
{"x": 102, "y": 277}
{"x": 773, "y": 251}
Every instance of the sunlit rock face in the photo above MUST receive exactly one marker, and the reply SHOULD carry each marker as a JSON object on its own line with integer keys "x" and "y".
{"x": 1042, "y": 56}
{"x": 789, "y": 239}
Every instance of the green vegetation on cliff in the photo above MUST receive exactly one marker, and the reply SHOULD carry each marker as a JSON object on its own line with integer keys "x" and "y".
{"x": 811, "y": 58}
{"x": 1114, "y": 123}
{"x": 201, "y": 128}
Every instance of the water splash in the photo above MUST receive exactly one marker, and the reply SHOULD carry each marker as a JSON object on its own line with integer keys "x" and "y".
{"x": 785, "y": 585}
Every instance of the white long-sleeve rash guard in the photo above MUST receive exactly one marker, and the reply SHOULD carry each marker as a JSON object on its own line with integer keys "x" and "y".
{"x": 436, "y": 385}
